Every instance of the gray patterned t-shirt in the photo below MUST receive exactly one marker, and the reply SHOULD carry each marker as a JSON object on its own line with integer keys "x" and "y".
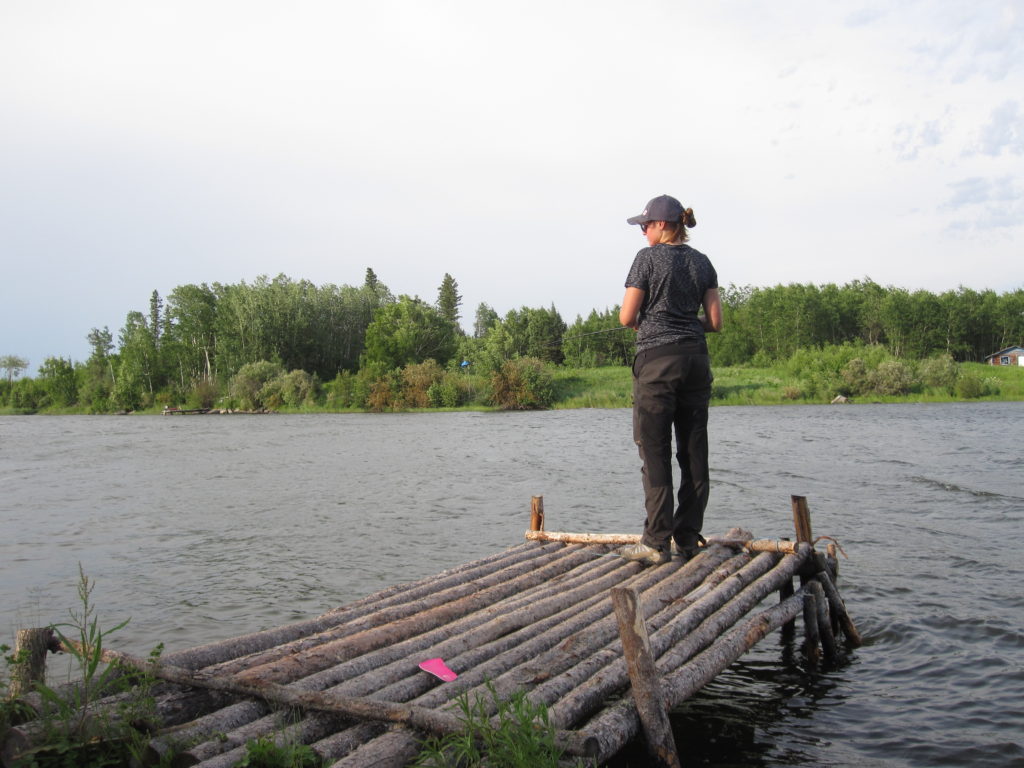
{"x": 674, "y": 279}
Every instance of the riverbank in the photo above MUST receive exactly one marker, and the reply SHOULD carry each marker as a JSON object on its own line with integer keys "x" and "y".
{"x": 611, "y": 387}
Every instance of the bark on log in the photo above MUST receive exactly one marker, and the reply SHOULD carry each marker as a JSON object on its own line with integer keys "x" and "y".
{"x": 838, "y": 608}
{"x": 785, "y": 592}
{"x": 394, "y": 625}
{"x": 612, "y": 539}
{"x": 802, "y": 519}
{"x": 222, "y": 651}
{"x": 537, "y": 513}
{"x": 646, "y": 691}
{"x": 30, "y": 648}
{"x": 618, "y": 724}
{"x": 371, "y": 672}
{"x": 552, "y": 652}
{"x": 828, "y": 640}
{"x": 583, "y": 689}
{"x": 812, "y": 639}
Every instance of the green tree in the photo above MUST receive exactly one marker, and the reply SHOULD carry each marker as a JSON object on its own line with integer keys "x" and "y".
{"x": 136, "y": 374}
{"x": 58, "y": 379}
{"x": 13, "y": 366}
{"x": 97, "y": 377}
{"x": 486, "y": 317}
{"x": 408, "y": 331}
{"x": 449, "y": 300}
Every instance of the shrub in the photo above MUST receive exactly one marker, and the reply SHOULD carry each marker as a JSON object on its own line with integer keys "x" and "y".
{"x": 522, "y": 384}
{"x": 297, "y": 387}
{"x": 247, "y": 385}
{"x": 892, "y": 378}
{"x": 939, "y": 371}
{"x": 970, "y": 386}
{"x": 203, "y": 395}
{"x": 417, "y": 379}
{"x": 856, "y": 377}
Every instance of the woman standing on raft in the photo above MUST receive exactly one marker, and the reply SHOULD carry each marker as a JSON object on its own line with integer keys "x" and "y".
{"x": 667, "y": 284}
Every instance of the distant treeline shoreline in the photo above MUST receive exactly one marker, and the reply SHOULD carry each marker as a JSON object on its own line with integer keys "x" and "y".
{"x": 281, "y": 343}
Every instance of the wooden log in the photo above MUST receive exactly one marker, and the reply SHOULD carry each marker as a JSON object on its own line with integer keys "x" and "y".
{"x": 812, "y": 638}
{"x": 537, "y": 513}
{"x": 29, "y": 667}
{"x": 380, "y": 630}
{"x": 356, "y": 707}
{"x": 583, "y": 688}
{"x": 613, "y": 539}
{"x": 838, "y": 608}
{"x": 618, "y": 724}
{"x": 370, "y": 672}
{"x": 786, "y": 592}
{"x": 646, "y": 691}
{"x": 543, "y": 656}
{"x": 828, "y": 639}
{"x": 691, "y": 631}
{"x": 409, "y": 594}
{"x": 802, "y": 519}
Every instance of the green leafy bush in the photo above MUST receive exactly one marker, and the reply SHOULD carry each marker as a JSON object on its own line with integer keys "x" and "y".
{"x": 246, "y": 386}
{"x": 522, "y": 384}
{"x": 940, "y": 372}
{"x": 892, "y": 377}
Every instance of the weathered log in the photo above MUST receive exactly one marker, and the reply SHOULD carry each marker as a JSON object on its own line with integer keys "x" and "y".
{"x": 537, "y": 513}
{"x": 838, "y": 608}
{"x": 543, "y": 656}
{"x": 29, "y": 668}
{"x": 370, "y": 672}
{"x": 686, "y": 634}
{"x": 802, "y": 519}
{"x": 309, "y": 729}
{"x": 617, "y": 725}
{"x": 418, "y": 682}
{"x": 324, "y": 701}
{"x": 394, "y": 625}
{"x": 650, "y": 703}
{"x": 583, "y": 538}
{"x": 582, "y": 689}
{"x": 786, "y": 591}
{"x": 812, "y": 638}
{"x": 828, "y": 639}
{"x": 222, "y": 651}
{"x": 779, "y": 546}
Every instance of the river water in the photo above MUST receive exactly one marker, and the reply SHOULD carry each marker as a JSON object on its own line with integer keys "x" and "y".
{"x": 203, "y": 528}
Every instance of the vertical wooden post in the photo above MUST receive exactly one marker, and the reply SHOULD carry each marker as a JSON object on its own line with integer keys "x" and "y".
{"x": 537, "y": 513}
{"x": 643, "y": 676}
{"x": 828, "y": 638}
{"x": 789, "y": 628}
{"x": 30, "y": 647}
{"x": 838, "y": 608}
{"x": 812, "y": 640}
{"x": 802, "y": 519}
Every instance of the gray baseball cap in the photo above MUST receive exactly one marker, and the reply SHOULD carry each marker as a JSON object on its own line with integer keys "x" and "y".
{"x": 663, "y": 208}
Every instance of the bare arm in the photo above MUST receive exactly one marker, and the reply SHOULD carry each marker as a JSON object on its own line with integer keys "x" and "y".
{"x": 629, "y": 314}
{"x": 712, "y": 302}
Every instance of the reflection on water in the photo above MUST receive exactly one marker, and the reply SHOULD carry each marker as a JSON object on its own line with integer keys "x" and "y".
{"x": 201, "y": 528}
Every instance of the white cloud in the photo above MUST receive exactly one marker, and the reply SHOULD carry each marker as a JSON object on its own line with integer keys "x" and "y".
{"x": 1004, "y": 131}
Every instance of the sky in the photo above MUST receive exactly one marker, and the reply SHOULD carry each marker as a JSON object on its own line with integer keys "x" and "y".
{"x": 146, "y": 145}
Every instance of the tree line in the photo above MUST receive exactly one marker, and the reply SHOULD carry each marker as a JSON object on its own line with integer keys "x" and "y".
{"x": 281, "y": 341}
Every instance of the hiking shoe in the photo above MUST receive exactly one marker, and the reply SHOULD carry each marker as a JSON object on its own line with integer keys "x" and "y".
{"x": 690, "y": 547}
{"x": 645, "y": 554}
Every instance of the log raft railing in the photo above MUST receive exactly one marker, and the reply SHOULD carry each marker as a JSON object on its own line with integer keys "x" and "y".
{"x": 537, "y": 617}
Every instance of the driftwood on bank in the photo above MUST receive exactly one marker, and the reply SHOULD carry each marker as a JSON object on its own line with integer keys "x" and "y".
{"x": 537, "y": 617}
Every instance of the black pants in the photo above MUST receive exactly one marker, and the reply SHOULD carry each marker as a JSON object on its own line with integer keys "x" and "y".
{"x": 671, "y": 391}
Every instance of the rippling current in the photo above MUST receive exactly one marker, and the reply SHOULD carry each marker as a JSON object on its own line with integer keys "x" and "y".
{"x": 200, "y": 528}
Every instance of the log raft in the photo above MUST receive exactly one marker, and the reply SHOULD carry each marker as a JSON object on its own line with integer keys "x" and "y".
{"x": 537, "y": 617}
